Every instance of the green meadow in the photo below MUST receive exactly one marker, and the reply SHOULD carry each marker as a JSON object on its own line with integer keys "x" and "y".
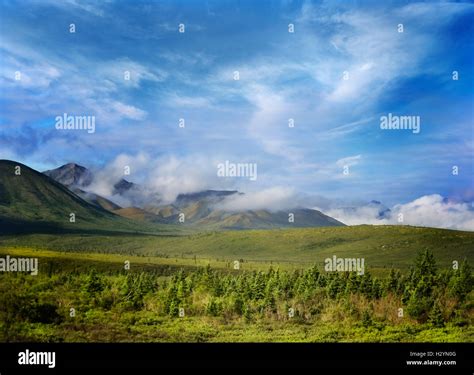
{"x": 167, "y": 288}
{"x": 380, "y": 246}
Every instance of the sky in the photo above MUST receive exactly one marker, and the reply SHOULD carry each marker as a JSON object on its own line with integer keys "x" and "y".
{"x": 347, "y": 64}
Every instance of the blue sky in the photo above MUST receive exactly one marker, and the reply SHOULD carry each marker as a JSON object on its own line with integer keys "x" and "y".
{"x": 282, "y": 75}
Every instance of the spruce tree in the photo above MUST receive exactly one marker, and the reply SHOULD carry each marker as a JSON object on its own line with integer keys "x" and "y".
{"x": 436, "y": 316}
{"x": 461, "y": 284}
{"x": 419, "y": 294}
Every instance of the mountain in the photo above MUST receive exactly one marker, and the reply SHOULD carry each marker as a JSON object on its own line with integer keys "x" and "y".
{"x": 165, "y": 212}
{"x": 265, "y": 219}
{"x": 195, "y": 206}
{"x": 96, "y": 200}
{"x": 208, "y": 196}
{"x": 136, "y": 213}
{"x": 31, "y": 201}
{"x": 74, "y": 175}
{"x": 76, "y": 178}
{"x": 71, "y": 175}
{"x": 201, "y": 210}
{"x": 123, "y": 186}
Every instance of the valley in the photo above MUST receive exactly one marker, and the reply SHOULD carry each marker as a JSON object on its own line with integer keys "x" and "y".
{"x": 138, "y": 274}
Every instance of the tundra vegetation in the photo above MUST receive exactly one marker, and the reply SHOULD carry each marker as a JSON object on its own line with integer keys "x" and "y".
{"x": 426, "y": 303}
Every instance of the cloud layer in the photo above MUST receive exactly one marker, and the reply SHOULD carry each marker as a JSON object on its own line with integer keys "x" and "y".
{"x": 427, "y": 211}
{"x": 168, "y": 177}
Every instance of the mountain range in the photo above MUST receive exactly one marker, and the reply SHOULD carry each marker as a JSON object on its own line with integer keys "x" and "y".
{"x": 32, "y": 199}
{"x": 50, "y": 196}
{"x": 200, "y": 209}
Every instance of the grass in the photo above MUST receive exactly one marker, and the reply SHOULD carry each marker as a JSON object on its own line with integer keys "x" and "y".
{"x": 149, "y": 328}
{"x": 64, "y": 261}
{"x": 381, "y": 246}
{"x": 336, "y": 321}
{"x": 68, "y": 257}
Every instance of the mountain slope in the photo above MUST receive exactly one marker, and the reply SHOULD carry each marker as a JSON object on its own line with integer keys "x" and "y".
{"x": 208, "y": 196}
{"x": 136, "y": 213}
{"x": 74, "y": 175}
{"x": 71, "y": 175}
{"x": 265, "y": 219}
{"x": 33, "y": 201}
{"x": 202, "y": 210}
{"x": 76, "y": 178}
{"x": 96, "y": 200}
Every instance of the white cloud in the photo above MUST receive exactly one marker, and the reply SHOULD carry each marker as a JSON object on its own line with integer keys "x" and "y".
{"x": 190, "y": 58}
{"x": 161, "y": 179}
{"x": 426, "y": 211}
{"x": 434, "y": 211}
{"x": 433, "y": 13}
{"x": 364, "y": 214}
{"x": 91, "y": 7}
{"x": 128, "y": 111}
{"x": 270, "y": 119}
{"x": 373, "y": 59}
{"x": 275, "y": 198}
{"x": 32, "y": 74}
{"x": 365, "y": 42}
{"x": 115, "y": 71}
{"x": 348, "y": 161}
{"x": 172, "y": 176}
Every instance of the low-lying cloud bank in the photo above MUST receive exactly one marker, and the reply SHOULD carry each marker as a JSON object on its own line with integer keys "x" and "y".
{"x": 167, "y": 177}
{"x": 427, "y": 211}
{"x": 274, "y": 199}
{"x": 163, "y": 180}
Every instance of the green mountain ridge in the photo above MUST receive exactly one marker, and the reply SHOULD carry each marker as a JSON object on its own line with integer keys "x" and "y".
{"x": 202, "y": 210}
{"x": 31, "y": 201}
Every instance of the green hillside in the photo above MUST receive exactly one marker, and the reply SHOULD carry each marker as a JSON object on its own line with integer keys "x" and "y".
{"x": 31, "y": 202}
{"x": 96, "y": 200}
{"x": 381, "y": 246}
{"x": 264, "y": 219}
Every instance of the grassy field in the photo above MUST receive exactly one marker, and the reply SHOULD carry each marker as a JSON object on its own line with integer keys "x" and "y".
{"x": 37, "y": 308}
{"x": 279, "y": 269}
{"x": 148, "y": 327}
{"x": 380, "y": 246}
{"x": 53, "y": 261}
